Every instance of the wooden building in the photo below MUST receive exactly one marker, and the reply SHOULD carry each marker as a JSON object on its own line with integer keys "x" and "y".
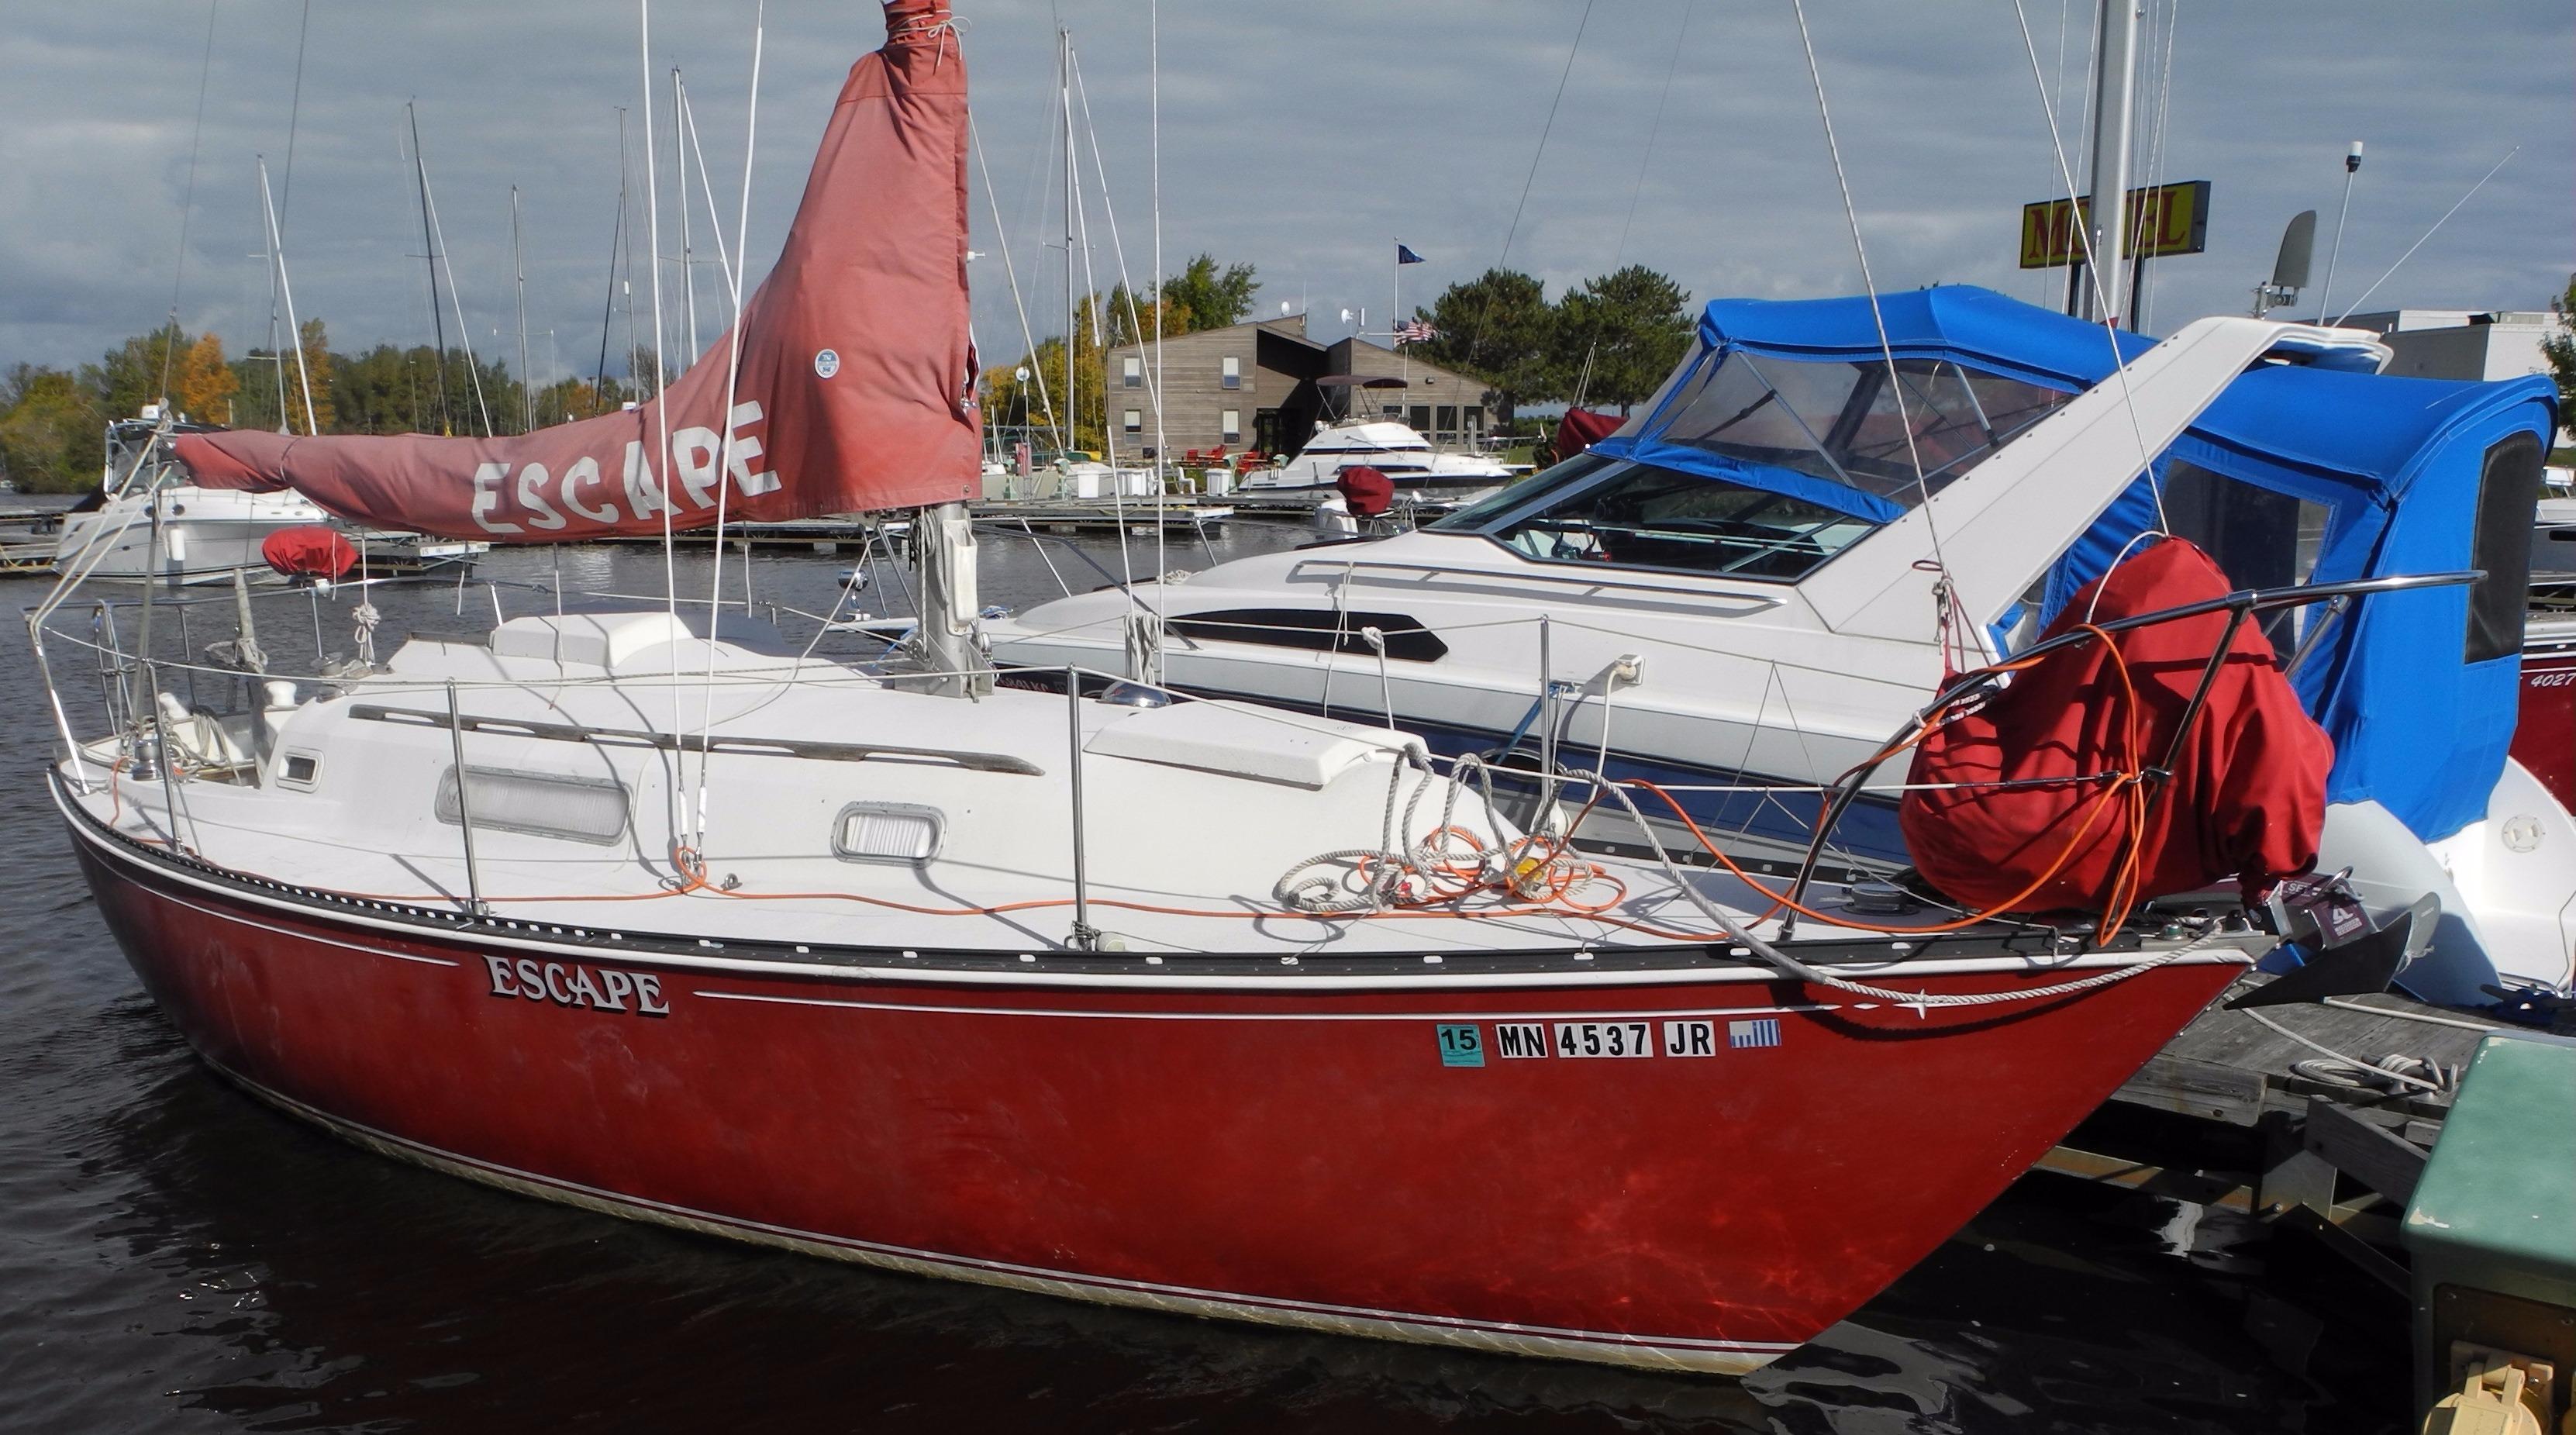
{"x": 1253, "y": 386}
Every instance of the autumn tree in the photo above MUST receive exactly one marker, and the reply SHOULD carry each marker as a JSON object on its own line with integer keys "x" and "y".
{"x": 202, "y": 384}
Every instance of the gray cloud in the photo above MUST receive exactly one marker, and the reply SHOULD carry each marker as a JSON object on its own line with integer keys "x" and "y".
{"x": 1304, "y": 138}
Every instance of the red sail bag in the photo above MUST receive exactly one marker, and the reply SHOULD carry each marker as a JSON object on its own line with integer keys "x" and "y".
{"x": 2245, "y": 799}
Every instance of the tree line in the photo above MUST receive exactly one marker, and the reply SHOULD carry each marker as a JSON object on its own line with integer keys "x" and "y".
{"x": 1608, "y": 341}
{"x": 51, "y": 419}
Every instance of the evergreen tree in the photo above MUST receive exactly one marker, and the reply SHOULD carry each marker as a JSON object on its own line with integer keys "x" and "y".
{"x": 1500, "y": 328}
{"x": 1619, "y": 335}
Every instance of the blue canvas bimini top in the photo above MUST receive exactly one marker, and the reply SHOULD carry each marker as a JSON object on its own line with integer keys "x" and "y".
{"x": 2418, "y": 689}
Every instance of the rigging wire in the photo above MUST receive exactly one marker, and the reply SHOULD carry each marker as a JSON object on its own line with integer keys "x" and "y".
{"x": 188, "y": 203}
{"x": 1476, "y": 335}
{"x": 1887, "y": 351}
{"x": 2155, "y": 167}
{"x": 2101, "y": 297}
{"x": 1619, "y": 254}
{"x": 724, "y": 458}
{"x": 657, "y": 467}
{"x": 1162, "y": 447}
{"x": 2418, "y": 244}
{"x": 1010, "y": 271}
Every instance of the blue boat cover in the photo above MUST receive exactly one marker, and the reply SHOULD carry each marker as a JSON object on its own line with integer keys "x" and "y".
{"x": 2396, "y": 464}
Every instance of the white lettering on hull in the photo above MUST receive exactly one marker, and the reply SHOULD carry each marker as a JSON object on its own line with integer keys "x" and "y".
{"x": 574, "y": 985}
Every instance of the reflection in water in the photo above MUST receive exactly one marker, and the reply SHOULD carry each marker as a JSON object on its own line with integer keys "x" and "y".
{"x": 174, "y": 1254}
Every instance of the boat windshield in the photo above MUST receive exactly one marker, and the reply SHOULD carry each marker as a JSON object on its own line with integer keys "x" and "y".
{"x": 1620, "y": 513}
{"x": 1843, "y": 422}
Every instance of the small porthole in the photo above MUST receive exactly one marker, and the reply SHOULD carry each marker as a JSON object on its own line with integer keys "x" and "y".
{"x": 887, "y": 832}
{"x": 299, "y": 770}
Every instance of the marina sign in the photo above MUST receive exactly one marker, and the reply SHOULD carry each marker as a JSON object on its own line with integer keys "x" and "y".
{"x": 2168, "y": 219}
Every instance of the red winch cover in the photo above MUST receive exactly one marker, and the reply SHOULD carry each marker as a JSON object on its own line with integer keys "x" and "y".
{"x": 2246, "y": 799}
{"x": 857, "y": 375}
{"x": 1367, "y": 491}
{"x": 309, "y": 552}
{"x": 1581, "y": 429}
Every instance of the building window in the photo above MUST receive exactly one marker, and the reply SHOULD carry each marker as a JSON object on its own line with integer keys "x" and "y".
{"x": 1233, "y": 422}
{"x": 1419, "y": 418}
{"x": 1131, "y": 372}
{"x": 1233, "y": 373}
{"x": 1448, "y": 423}
{"x": 1133, "y": 421}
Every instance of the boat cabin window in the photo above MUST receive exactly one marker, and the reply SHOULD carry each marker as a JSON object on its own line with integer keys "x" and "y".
{"x": 2508, "y": 488}
{"x": 1844, "y": 422}
{"x": 539, "y": 804}
{"x": 2258, "y": 537}
{"x": 300, "y": 770}
{"x": 1639, "y": 515}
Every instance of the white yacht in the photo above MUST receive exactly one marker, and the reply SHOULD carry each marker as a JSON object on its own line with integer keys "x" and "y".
{"x": 152, "y": 523}
{"x": 1735, "y": 596}
{"x": 1422, "y": 474}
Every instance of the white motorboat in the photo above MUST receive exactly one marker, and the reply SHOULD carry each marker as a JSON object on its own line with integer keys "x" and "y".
{"x": 1421, "y": 473}
{"x": 147, "y": 522}
{"x": 1733, "y": 596}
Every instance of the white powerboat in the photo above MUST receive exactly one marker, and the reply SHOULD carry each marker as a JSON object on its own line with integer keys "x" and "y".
{"x": 1421, "y": 473}
{"x": 1733, "y": 597}
{"x": 146, "y": 522}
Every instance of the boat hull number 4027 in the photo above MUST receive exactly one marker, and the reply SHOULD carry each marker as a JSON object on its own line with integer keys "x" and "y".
{"x": 1465, "y": 1043}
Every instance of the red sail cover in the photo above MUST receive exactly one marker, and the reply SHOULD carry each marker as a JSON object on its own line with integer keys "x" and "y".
{"x": 1581, "y": 429}
{"x": 857, "y": 379}
{"x": 309, "y": 552}
{"x": 2248, "y": 792}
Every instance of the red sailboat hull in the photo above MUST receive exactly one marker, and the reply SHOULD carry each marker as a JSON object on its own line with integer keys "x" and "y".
{"x": 1322, "y": 1157}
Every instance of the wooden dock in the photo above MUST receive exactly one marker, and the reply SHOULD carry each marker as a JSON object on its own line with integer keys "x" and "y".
{"x": 2225, "y": 1115}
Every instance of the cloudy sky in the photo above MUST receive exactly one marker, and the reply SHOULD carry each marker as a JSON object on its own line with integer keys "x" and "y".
{"x": 1303, "y": 138}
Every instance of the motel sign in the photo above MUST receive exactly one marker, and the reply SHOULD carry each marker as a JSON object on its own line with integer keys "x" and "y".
{"x": 2168, "y": 219}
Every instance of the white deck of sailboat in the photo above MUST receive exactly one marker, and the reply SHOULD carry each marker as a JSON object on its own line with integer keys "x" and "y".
{"x": 1192, "y": 812}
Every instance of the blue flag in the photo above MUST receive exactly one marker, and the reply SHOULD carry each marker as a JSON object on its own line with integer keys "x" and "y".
{"x": 1404, "y": 255}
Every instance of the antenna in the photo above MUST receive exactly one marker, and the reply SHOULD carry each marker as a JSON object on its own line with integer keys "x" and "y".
{"x": 2351, "y": 167}
{"x": 2290, "y": 269}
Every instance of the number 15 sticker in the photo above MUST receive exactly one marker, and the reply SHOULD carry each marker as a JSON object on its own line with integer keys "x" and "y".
{"x": 1461, "y": 1045}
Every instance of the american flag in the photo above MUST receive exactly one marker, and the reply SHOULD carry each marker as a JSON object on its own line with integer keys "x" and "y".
{"x": 1415, "y": 331}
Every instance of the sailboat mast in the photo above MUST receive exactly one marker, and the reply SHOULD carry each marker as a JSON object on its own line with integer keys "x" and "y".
{"x": 616, "y": 242}
{"x": 279, "y": 282}
{"x": 429, "y": 253}
{"x": 519, "y": 275}
{"x": 277, "y": 355}
{"x": 1072, "y": 309}
{"x": 680, "y": 163}
{"x": 2115, "y": 68}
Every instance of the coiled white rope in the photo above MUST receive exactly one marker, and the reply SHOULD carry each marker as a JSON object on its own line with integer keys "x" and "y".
{"x": 1388, "y": 870}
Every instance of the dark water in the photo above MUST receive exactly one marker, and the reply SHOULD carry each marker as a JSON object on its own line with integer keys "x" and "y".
{"x": 177, "y": 1256}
